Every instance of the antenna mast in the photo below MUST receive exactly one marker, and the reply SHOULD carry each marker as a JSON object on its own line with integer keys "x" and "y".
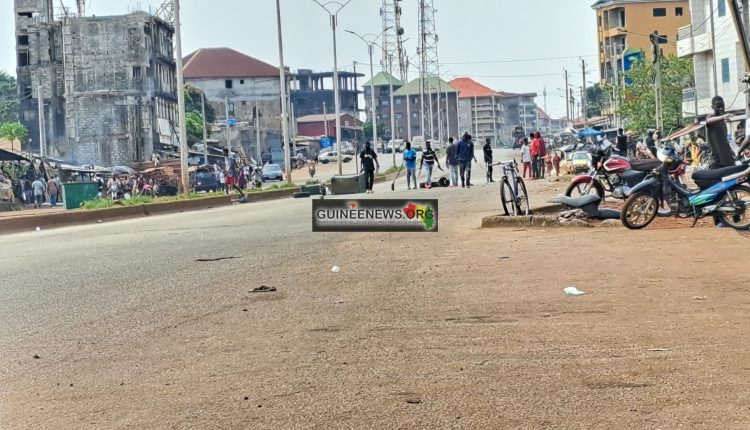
{"x": 430, "y": 69}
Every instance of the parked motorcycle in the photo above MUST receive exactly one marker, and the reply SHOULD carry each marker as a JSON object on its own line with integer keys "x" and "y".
{"x": 722, "y": 194}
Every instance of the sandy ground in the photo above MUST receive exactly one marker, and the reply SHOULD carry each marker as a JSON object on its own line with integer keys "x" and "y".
{"x": 465, "y": 329}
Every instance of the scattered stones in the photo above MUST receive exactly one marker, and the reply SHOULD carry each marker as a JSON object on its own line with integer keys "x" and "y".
{"x": 335, "y": 269}
{"x": 413, "y": 401}
{"x": 701, "y": 298}
{"x": 247, "y": 398}
{"x": 36, "y": 357}
{"x": 211, "y": 260}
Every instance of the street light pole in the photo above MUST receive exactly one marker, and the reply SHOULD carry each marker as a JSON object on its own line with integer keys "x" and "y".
{"x": 282, "y": 82}
{"x": 334, "y": 22}
{"x": 181, "y": 100}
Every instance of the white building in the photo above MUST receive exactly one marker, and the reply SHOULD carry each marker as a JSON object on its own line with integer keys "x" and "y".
{"x": 718, "y": 66}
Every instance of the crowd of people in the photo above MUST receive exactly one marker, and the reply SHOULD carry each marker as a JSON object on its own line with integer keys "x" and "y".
{"x": 538, "y": 158}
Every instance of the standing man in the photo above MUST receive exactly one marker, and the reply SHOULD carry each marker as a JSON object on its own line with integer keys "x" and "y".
{"x": 429, "y": 158}
{"x": 526, "y": 158}
{"x": 410, "y": 162}
{"x": 369, "y": 162}
{"x": 232, "y": 173}
{"x": 542, "y": 150}
{"x": 465, "y": 155}
{"x": 487, "y": 149}
{"x": 651, "y": 143}
{"x": 622, "y": 143}
{"x": 53, "y": 189}
{"x": 451, "y": 160}
{"x": 716, "y": 131}
{"x": 534, "y": 149}
{"x": 39, "y": 189}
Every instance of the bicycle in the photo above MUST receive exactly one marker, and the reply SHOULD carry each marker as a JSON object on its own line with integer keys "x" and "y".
{"x": 513, "y": 192}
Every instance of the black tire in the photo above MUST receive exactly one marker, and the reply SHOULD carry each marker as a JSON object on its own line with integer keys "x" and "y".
{"x": 639, "y": 205}
{"x": 506, "y": 197}
{"x": 576, "y": 190}
{"x": 301, "y": 195}
{"x": 524, "y": 207}
{"x": 737, "y": 220}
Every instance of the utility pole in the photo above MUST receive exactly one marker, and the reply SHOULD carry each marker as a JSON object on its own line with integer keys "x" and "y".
{"x": 42, "y": 128}
{"x": 656, "y": 51}
{"x": 408, "y": 102}
{"x": 203, "y": 113}
{"x": 374, "y": 120}
{"x": 325, "y": 121}
{"x": 257, "y": 131}
{"x": 282, "y": 85}
{"x": 226, "y": 112}
{"x": 713, "y": 44}
{"x": 494, "y": 121}
{"x": 393, "y": 111}
{"x": 476, "y": 119}
{"x": 583, "y": 95}
{"x": 545, "y": 109}
{"x": 181, "y": 100}
{"x": 567, "y": 100}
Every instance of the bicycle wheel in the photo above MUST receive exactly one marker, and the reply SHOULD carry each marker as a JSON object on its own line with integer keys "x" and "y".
{"x": 506, "y": 196}
{"x": 522, "y": 199}
{"x": 739, "y": 196}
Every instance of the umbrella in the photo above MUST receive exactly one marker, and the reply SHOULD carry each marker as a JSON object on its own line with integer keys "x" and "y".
{"x": 588, "y": 132}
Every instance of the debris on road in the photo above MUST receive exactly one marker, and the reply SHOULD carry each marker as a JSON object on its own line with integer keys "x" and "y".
{"x": 38, "y": 229}
{"x": 335, "y": 269}
{"x": 573, "y": 291}
{"x": 699, "y": 298}
{"x": 36, "y": 357}
{"x": 263, "y": 289}
{"x": 211, "y": 260}
{"x": 413, "y": 401}
{"x": 659, "y": 350}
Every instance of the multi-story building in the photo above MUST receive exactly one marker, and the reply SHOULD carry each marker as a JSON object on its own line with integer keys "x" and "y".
{"x": 106, "y": 85}
{"x": 625, "y": 25}
{"x": 382, "y": 83}
{"x": 519, "y": 110}
{"x": 479, "y": 109}
{"x": 312, "y": 92}
{"x": 718, "y": 69}
{"x": 407, "y": 100}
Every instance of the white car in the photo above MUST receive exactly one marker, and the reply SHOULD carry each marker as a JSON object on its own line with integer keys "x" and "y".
{"x": 332, "y": 157}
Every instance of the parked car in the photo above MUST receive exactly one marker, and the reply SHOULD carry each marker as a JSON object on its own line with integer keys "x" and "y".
{"x": 398, "y": 143}
{"x": 205, "y": 180}
{"x": 332, "y": 157}
{"x": 272, "y": 172}
{"x": 580, "y": 161}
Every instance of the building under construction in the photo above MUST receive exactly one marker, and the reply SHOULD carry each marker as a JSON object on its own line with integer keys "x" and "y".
{"x": 104, "y": 87}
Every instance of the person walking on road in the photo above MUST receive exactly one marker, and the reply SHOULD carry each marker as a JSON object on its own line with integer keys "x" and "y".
{"x": 410, "y": 163}
{"x": 369, "y": 162}
{"x": 53, "y": 189}
{"x": 526, "y": 158}
{"x": 428, "y": 160}
{"x": 487, "y": 149}
{"x": 534, "y": 149}
{"x": 622, "y": 143}
{"x": 232, "y": 173}
{"x": 465, "y": 156}
{"x": 39, "y": 189}
{"x": 451, "y": 160}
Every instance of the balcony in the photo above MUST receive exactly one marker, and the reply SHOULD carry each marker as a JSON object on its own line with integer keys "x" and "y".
{"x": 687, "y": 46}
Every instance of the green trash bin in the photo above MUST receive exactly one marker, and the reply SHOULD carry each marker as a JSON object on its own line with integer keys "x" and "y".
{"x": 75, "y": 193}
{"x": 349, "y": 184}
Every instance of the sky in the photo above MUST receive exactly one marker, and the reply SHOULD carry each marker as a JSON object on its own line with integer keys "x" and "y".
{"x": 482, "y": 39}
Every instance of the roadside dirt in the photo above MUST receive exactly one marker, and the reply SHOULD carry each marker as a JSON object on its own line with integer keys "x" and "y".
{"x": 464, "y": 329}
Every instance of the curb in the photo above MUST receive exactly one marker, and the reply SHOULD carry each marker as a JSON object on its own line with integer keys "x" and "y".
{"x": 77, "y": 217}
{"x": 545, "y": 221}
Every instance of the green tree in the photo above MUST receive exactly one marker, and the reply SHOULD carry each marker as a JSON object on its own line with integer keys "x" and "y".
{"x": 597, "y": 100}
{"x": 9, "y": 105}
{"x": 14, "y": 132}
{"x": 638, "y": 100}
{"x": 193, "y": 103}
{"x": 367, "y": 130}
{"x": 194, "y": 124}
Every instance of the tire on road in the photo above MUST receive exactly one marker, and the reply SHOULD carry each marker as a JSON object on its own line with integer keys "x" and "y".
{"x": 301, "y": 195}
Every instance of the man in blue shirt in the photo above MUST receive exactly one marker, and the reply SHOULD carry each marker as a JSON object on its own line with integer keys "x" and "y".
{"x": 410, "y": 162}
{"x": 465, "y": 155}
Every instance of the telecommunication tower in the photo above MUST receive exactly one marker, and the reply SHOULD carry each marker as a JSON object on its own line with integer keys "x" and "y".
{"x": 430, "y": 71}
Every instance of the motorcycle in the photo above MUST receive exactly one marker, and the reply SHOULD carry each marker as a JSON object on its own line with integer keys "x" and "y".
{"x": 722, "y": 194}
{"x": 256, "y": 180}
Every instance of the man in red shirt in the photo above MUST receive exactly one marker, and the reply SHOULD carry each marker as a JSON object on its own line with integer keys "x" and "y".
{"x": 541, "y": 146}
{"x": 534, "y": 149}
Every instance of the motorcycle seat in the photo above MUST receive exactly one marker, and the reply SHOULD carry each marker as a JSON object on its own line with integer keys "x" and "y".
{"x": 577, "y": 202}
{"x": 717, "y": 174}
{"x": 644, "y": 165}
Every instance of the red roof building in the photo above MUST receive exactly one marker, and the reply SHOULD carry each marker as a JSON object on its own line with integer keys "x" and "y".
{"x": 479, "y": 110}
{"x": 212, "y": 63}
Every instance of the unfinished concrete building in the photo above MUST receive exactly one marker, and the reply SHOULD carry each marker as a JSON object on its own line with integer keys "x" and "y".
{"x": 108, "y": 84}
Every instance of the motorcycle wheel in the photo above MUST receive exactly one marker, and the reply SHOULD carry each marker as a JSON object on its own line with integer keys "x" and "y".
{"x": 639, "y": 211}
{"x": 578, "y": 190}
{"x": 739, "y": 220}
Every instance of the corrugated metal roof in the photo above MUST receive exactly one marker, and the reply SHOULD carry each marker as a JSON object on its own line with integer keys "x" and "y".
{"x": 225, "y": 63}
{"x": 412, "y": 88}
{"x": 382, "y": 80}
{"x": 469, "y": 88}
{"x": 322, "y": 118}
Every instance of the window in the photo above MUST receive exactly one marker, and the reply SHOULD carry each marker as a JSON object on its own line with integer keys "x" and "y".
{"x": 24, "y": 14}
{"x": 399, "y": 116}
{"x": 228, "y": 84}
{"x": 725, "y": 70}
{"x": 415, "y": 115}
{"x": 243, "y": 103}
{"x": 242, "y": 82}
{"x": 678, "y": 11}
{"x": 23, "y": 40}
{"x": 23, "y": 59}
{"x": 416, "y": 100}
{"x": 385, "y": 102}
{"x": 722, "y": 7}
{"x": 346, "y": 123}
{"x": 663, "y": 39}
{"x": 398, "y": 101}
{"x": 660, "y": 11}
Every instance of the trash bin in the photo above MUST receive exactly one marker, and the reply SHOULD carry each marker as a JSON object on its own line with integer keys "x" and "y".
{"x": 75, "y": 193}
{"x": 348, "y": 184}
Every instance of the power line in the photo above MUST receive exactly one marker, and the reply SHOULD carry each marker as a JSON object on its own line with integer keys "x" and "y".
{"x": 524, "y": 60}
